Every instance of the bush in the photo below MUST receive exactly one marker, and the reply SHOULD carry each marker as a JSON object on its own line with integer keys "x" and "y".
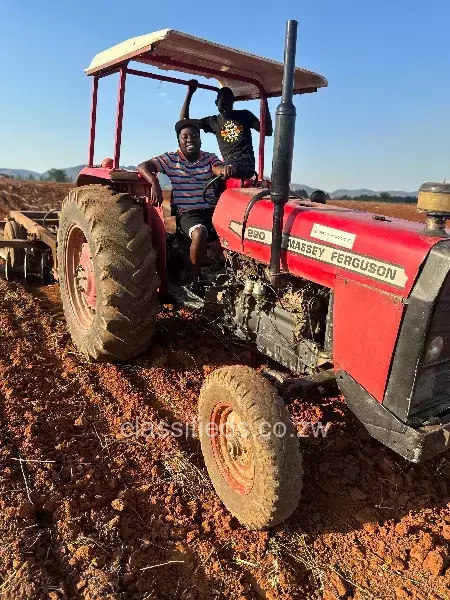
{"x": 58, "y": 175}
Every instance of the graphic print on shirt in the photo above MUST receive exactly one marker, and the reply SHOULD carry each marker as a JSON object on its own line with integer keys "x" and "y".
{"x": 231, "y": 131}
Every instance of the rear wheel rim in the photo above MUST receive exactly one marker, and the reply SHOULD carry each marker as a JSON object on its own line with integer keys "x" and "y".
{"x": 232, "y": 448}
{"x": 80, "y": 277}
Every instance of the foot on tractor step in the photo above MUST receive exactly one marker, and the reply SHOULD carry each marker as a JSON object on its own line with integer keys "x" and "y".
{"x": 197, "y": 288}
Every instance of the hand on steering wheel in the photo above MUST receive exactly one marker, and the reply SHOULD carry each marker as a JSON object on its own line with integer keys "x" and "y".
{"x": 228, "y": 171}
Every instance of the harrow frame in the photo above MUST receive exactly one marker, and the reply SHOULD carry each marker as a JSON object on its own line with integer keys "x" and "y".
{"x": 40, "y": 228}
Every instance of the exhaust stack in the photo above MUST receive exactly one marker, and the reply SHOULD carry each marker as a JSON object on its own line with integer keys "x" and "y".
{"x": 283, "y": 149}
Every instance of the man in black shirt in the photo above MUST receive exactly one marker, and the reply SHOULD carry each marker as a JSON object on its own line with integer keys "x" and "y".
{"x": 232, "y": 129}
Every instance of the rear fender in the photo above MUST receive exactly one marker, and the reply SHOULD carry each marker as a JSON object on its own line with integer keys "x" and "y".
{"x": 132, "y": 183}
{"x": 119, "y": 179}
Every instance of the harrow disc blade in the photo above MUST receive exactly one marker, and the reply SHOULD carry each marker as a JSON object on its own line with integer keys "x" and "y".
{"x": 26, "y": 266}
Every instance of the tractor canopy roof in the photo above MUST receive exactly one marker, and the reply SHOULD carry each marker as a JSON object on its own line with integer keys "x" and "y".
{"x": 246, "y": 74}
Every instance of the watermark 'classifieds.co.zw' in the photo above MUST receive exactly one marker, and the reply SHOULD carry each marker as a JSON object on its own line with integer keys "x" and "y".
{"x": 162, "y": 429}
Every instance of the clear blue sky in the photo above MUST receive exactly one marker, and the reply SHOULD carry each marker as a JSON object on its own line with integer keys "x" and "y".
{"x": 383, "y": 122}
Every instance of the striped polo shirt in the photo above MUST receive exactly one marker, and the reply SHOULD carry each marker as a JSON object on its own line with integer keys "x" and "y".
{"x": 188, "y": 179}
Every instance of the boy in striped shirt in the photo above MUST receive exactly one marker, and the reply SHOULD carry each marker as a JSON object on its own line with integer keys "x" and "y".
{"x": 189, "y": 170}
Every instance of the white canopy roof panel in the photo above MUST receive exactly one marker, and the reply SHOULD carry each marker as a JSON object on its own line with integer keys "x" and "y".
{"x": 172, "y": 50}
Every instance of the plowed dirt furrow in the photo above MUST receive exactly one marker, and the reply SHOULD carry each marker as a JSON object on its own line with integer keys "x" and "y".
{"x": 113, "y": 511}
{"x": 99, "y": 492}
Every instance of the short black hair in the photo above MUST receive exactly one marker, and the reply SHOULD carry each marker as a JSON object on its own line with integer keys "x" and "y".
{"x": 179, "y": 125}
{"x": 225, "y": 91}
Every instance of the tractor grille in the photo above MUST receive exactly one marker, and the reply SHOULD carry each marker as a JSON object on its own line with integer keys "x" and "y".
{"x": 432, "y": 391}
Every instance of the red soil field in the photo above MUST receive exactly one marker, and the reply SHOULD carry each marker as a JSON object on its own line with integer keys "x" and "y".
{"x": 89, "y": 513}
{"x": 400, "y": 211}
{"x": 29, "y": 195}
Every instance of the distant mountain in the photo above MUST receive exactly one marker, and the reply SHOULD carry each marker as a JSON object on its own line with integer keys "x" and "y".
{"x": 72, "y": 172}
{"x": 24, "y": 173}
{"x": 301, "y": 186}
{"x": 365, "y": 192}
{"x": 352, "y": 193}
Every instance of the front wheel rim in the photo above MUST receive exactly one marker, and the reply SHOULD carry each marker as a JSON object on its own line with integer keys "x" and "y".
{"x": 232, "y": 448}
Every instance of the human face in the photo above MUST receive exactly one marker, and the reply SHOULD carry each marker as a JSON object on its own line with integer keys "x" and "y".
{"x": 189, "y": 141}
{"x": 224, "y": 104}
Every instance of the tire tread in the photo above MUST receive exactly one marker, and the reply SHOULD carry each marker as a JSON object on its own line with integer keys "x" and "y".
{"x": 278, "y": 482}
{"x": 125, "y": 265}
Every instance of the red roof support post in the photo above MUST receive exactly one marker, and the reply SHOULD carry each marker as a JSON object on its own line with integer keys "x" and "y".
{"x": 93, "y": 122}
{"x": 119, "y": 116}
{"x": 262, "y": 133}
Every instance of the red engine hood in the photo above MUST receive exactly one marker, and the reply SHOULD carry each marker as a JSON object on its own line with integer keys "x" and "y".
{"x": 323, "y": 241}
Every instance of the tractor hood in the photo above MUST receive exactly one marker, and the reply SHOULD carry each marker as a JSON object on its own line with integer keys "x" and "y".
{"x": 321, "y": 242}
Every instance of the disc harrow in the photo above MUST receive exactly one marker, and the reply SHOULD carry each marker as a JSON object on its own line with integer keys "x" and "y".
{"x": 28, "y": 246}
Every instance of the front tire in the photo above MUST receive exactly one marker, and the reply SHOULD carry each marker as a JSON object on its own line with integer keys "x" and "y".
{"x": 107, "y": 273}
{"x": 256, "y": 468}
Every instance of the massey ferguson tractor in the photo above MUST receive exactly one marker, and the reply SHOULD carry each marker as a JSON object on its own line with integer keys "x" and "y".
{"x": 322, "y": 291}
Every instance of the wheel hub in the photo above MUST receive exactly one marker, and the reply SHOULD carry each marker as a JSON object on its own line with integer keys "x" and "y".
{"x": 85, "y": 276}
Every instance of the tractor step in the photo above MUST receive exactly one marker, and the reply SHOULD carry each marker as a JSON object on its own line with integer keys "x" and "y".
{"x": 310, "y": 387}
{"x": 181, "y": 295}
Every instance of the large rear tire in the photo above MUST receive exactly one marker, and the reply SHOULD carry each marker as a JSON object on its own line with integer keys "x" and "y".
{"x": 256, "y": 469}
{"x": 107, "y": 273}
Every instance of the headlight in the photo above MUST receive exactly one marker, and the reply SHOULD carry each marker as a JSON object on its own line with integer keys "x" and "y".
{"x": 434, "y": 350}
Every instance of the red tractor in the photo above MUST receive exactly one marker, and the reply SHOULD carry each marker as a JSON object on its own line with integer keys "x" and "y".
{"x": 324, "y": 291}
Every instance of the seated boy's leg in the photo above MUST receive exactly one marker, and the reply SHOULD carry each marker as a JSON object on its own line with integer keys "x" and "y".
{"x": 196, "y": 224}
{"x": 199, "y": 237}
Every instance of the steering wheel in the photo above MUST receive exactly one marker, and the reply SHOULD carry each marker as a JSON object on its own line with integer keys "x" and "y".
{"x": 206, "y": 188}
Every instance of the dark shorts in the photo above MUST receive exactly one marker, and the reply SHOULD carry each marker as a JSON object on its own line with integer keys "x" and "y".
{"x": 191, "y": 219}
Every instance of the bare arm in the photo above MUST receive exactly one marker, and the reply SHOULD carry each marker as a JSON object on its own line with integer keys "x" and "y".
{"x": 269, "y": 127}
{"x": 193, "y": 83}
{"x": 148, "y": 170}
